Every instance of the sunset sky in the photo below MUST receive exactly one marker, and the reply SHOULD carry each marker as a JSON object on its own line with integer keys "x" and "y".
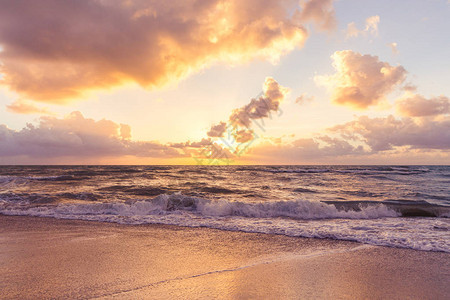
{"x": 219, "y": 82}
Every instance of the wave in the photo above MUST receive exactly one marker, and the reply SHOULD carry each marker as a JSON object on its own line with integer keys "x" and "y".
{"x": 85, "y": 196}
{"x": 39, "y": 178}
{"x": 13, "y": 200}
{"x": 304, "y": 190}
{"x": 163, "y": 204}
{"x": 11, "y": 182}
{"x": 350, "y": 171}
{"x": 404, "y": 208}
{"x": 176, "y": 203}
{"x": 362, "y": 193}
{"x": 55, "y": 178}
{"x": 299, "y": 171}
{"x": 376, "y": 224}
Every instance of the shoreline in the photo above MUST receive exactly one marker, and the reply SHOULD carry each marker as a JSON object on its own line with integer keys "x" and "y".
{"x": 169, "y": 226}
{"x": 60, "y": 258}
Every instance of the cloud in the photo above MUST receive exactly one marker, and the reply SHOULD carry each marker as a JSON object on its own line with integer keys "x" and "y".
{"x": 382, "y": 134}
{"x": 303, "y": 98}
{"x": 321, "y": 12}
{"x": 25, "y": 107}
{"x": 244, "y": 135}
{"x": 360, "y": 81}
{"x": 125, "y": 131}
{"x": 409, "y": 87}
{"x": 217, "y": 130}
{"x": 76, "y": 136}
{"x": 261, "y": 107}
{"x": 325, "y": 146}
{"x": 238, "y": 133}
{"x": 415, "y": 105}
{"x": 365, "y": 140}
{"x": 352, "y": 30}
{"x": 307, "y": 150}
{"x": 371, "y": 27}
{"x": 393, "y": 47}
{"x": 203, "y": 143}
{"x": 372, "y": 24}
{"x": 59, "y": 50}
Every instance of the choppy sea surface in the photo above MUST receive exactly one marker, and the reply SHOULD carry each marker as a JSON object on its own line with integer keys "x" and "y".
{"x": 398, "y": 206}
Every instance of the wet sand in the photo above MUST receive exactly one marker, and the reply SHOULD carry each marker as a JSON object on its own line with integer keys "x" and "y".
{"x": 49, "y": 258}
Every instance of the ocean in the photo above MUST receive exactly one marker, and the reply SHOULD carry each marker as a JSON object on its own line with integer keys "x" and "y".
{"x": 397, "y": 206}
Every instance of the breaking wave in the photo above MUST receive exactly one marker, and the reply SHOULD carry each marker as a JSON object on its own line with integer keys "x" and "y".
{"x": 176, "y": 203}
{"x": 376, "y": 224}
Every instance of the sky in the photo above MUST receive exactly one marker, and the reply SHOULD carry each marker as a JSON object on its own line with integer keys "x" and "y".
{"x": 224, "y": 82}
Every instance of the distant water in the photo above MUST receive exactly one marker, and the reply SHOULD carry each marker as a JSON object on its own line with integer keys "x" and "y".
{"x": 400, "y": 206}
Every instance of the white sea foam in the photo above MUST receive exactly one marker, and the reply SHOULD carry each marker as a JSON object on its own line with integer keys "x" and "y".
{"x": 177, "y": 203}
{"x": 376, "y": 225}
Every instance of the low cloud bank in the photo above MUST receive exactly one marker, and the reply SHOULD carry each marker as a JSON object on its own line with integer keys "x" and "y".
{"x": 77, "y": 136}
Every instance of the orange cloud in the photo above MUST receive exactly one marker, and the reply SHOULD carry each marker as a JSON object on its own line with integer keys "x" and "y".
{"x": 57, "y": 50}
{"x": 244, "y": 135}
{"x": 24, "y": 107}
{"x": 415, "y": 105}
{"x": 360, "y": 81}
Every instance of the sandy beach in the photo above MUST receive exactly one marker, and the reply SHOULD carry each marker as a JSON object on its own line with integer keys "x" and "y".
{"x": 50, "y": 258}
{"x": 224, "y": 149}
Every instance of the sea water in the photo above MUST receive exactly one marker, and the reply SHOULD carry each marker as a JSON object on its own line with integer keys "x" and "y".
{"x": 398, "y": 206}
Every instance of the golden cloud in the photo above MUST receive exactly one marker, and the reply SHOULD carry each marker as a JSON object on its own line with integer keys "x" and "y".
{"x": 360, "y": 81}
{"x": 57, "y": 50}
{"x": 26, "y": 107}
